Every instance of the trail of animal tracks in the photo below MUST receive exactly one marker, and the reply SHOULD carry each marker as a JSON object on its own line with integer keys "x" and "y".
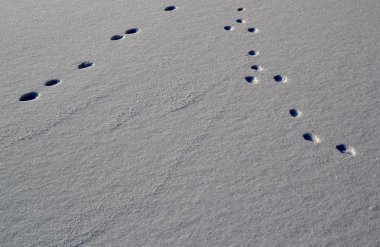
{"x": 190, "y": 123}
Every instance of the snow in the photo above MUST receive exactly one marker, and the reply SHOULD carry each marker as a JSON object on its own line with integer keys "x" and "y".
{"x": 162, "y": 141}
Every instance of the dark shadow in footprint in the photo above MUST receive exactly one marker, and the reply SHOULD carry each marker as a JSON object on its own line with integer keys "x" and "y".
{"x": 240, "y": 9}
{"x": 52, "y": 82}
{"x": 170, "y": 8}
{"x": 252, "y": 53}
{"x": 255, "y": 67}
{"x": 29, "y": 96}
{"x": 310, "y": 137}
{"x": 240, "y": 21}
{"x": 249, "y": 79}
{"x": 278, "y": 78}
{"x": 342, "y": 148}
{"x": 85, "y": 65}
{"x": 228, "y": 28}
{"x": 294, "y": 112}
{"x": 117, "y": 37}
{"x": 251, "y": 29}
{"x": 132, "y": 31}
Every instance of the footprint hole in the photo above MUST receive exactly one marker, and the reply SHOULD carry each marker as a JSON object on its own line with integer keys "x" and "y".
{"x": 250, "y": 79}
{"x": 29, "y": 96}
{"x": 132, "y": 31}
{"x": 255, "y": 67}
{"x": 311, "y": 137}
{"x": 117, "y": 37}
{"x": 170, "y": 8}
{"x": 85, "y": 65}
{"x": 294, "y": 112}
{"x": 252, "y": 53}
{"x": 240, "y": 9}
{"x": 279, "y": 78}
{"x": 52, "y": 82}
{"x": 228, "y": 28}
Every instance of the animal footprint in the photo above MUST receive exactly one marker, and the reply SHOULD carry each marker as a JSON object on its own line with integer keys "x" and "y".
{"x": 311, "y": 137}
{"x": 256, "y": 67}
{"x": 251, "y": 79}
{"x": 252, "y": 30}
{"x": 229, "y": 28}
{"x": 29, "y": 96}
{"x": 253, "y": 53}
{"x": 170, "y": 8}
{"x": 294, "y": 112}
{"x": 240, "y": 21}
{"x": 280, "y": 79}
{"x": 132, "y": 31}
{"x": 240, "y": 9}
{"x": 117, "y": 37}
{"x": 52, "y": 82}
{"x": 344, "y": 149}
{"x": 85, "y": 65}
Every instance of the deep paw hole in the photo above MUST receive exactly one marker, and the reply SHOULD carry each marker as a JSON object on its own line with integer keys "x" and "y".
{"x": 117, "y": 37}
{"x": 255, "y": 67}
{"x": 85, "y": 65}
{"x": 278, "y": 78}
{"x": 52, "y": 82}
{"x": 228, "y": 28}
{"x": 251, "y": 30}
{"x": 249, "y": 79}
{"x": 342, "y": 148}
{"x": 170, "y": 8}
{"x": 240, "y": 9}
{"x": 132, "y": 31}
{"x": 29, "y": 96}
{"x": 309, "y": 137}
{"x": 252, "y": 53}
{"x": 293, "y": 112}
{"x": 240, "y": 21}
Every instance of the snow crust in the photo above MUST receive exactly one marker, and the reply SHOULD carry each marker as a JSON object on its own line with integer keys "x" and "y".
{"x": 158, "y": 130}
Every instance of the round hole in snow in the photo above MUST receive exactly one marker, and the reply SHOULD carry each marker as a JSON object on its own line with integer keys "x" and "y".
{"x": 29, "y": 96}
{"x": 52, "y": 82}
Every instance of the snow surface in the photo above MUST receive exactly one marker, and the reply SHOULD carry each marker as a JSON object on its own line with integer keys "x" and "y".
{"x": 164, "y": 142}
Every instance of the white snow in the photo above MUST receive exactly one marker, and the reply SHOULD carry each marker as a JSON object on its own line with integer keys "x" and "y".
{"x": 163, "y": 142}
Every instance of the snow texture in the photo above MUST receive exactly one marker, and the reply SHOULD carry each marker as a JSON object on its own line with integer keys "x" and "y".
{"x": 156, "y": 123}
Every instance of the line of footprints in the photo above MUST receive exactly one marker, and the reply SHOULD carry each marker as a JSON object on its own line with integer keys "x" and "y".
{"x": 343, "y": 148}
{"x": 84, "y": 65}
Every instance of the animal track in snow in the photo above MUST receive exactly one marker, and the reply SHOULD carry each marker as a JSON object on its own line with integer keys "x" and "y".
{"x": 251, "y": 79}
{"x": 132, "y": 31}
{"x": 240, "y": 21}
{"x": 294, "y": 112}
{"x": 29, "y": 96}
{"x": 117, "y": 37}
{"x": 52, "y": 82}
{"x": 85, "y": 65}
{"x": 240, "y": 9}
{"x": 253, "y": 53}
{"x": 280, "y": 79}
{"x": 344, "y": 149}
{"x": 229, "y": 28}
{"x": 311, "y": 137}
{"x": 256, "y": 67}
{"x": 170, "y": 8}
{"x": 252, "y": 30}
